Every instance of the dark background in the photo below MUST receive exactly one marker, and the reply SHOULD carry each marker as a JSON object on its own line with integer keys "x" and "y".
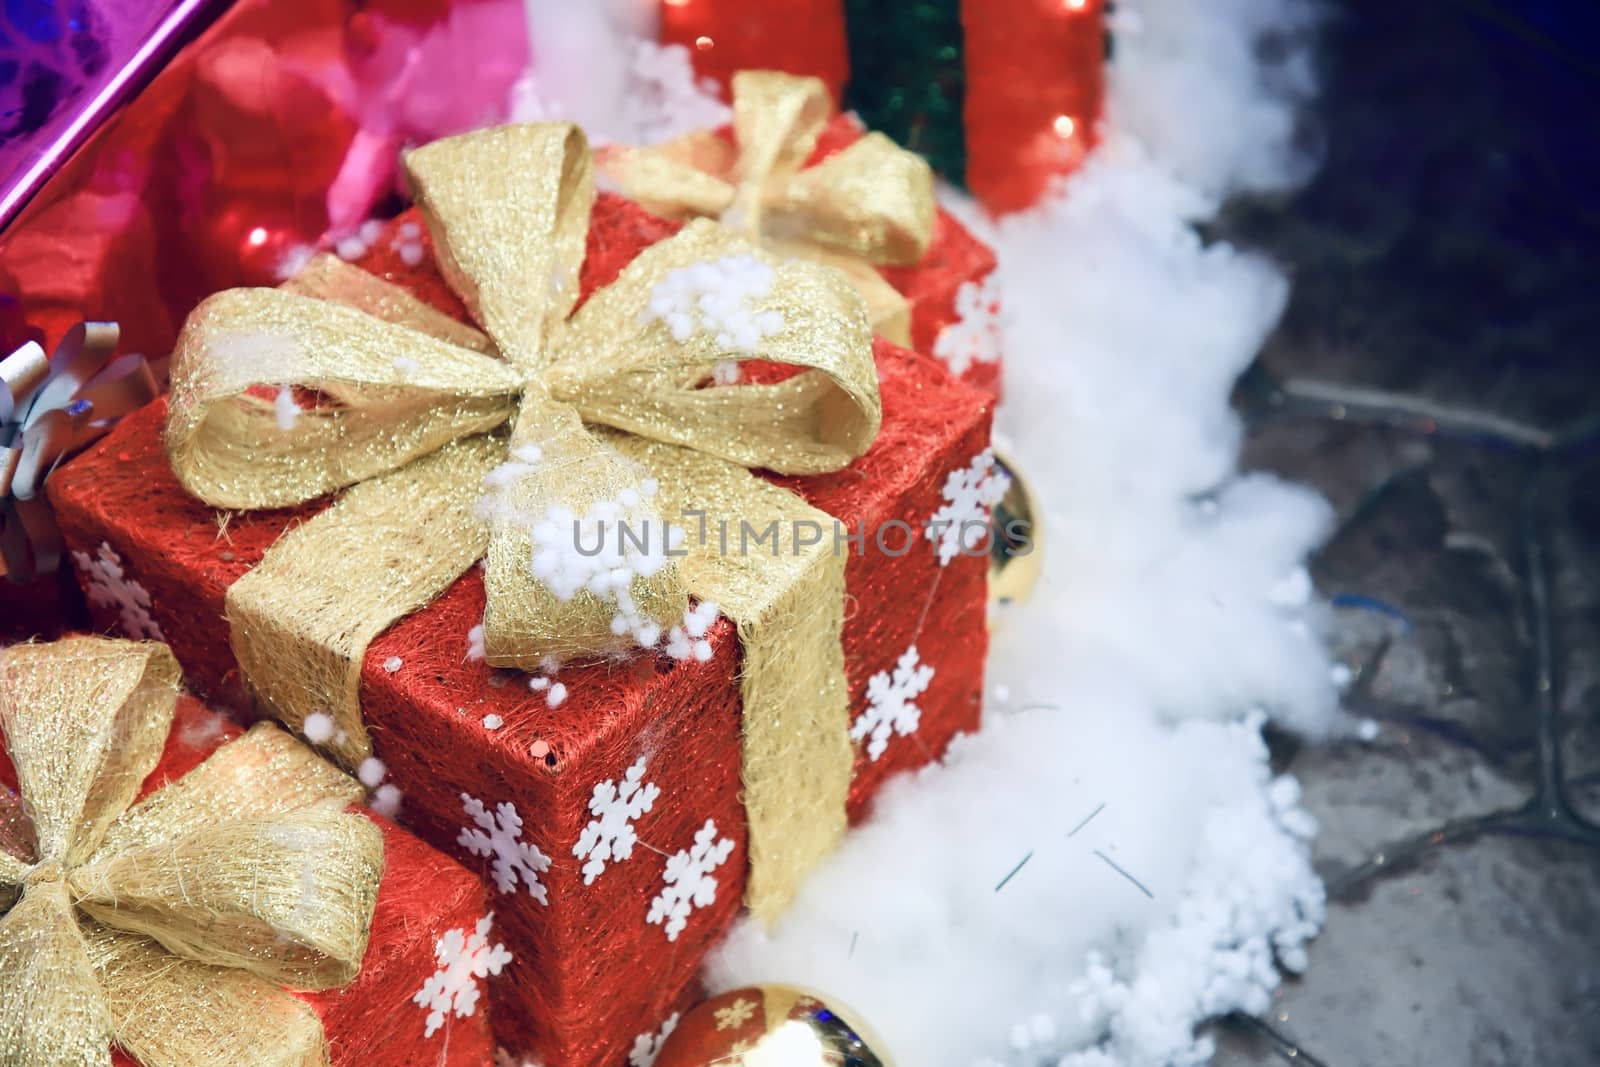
{"x": 1434, "y": 376}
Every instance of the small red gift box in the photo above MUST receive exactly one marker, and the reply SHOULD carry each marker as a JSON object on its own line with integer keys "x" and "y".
{"x": 423, "y": 898}
{"x": 609, "y": 817}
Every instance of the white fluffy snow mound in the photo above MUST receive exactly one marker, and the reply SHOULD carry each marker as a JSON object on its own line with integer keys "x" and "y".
{"x": 1174, "y": 614}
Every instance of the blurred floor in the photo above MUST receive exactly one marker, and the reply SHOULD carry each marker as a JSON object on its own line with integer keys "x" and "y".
{"x": 1435, "y": 377}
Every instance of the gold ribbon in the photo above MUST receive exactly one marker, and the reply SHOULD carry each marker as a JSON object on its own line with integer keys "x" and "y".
{"x": 870, "y": 204}
{"x": 49, "y": 408}
{"x": 170, "y": 927}
{"x": 404, "y": 413}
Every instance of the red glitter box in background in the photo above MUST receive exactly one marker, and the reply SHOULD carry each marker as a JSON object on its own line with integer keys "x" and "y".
{"x": 423, "y": 896}
{"x": 483, "y": 762}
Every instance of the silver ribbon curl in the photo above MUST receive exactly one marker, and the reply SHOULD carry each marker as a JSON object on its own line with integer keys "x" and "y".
{"x": 50, "y": 407}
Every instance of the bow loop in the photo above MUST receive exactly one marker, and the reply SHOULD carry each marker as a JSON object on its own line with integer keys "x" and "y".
{"x": 380, "y": 396}
{"x": 509, "y": 210}
{"x": 85, "y": 721}
{"x": 643, "y": 379}
{"x": 248, "y": 869}
{"x": 870, "y": 204}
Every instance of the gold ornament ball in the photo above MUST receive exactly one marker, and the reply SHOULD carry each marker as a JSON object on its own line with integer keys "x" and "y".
{"x": 1016, "y": 543}
{"x": 771, "y": 1026}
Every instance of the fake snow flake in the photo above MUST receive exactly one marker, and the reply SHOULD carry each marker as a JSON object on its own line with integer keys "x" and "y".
{"x": 688, "y": 641}
{"x": 555, "y": 696}
{"x": 889, "y": 703}
{"x": 318, "y": 728}
{"x": 463, "y": 962}
{"x": 610, "y": 837}
{"x": 475, "y": 643}
{"x": 108, "y": 586}
{"x": 372, "y": 772}
{"x": 717, "y": 297}
{"x": 962, "y": 523}
{"x": 355, "y": 245}
{"x": 393, "y": 664}
{"x": 408, "y": 243}
{"x": 689, "y": 884}
{"x": 601, "y": 552}
{"x": 647, "y": 1046}
{"x": 386, "y": 800}
{"x": 504, "y": 1057}
{"x": 285, "y": 410}
{"x": 976, "y": 334}
{"x": 665, "y": 98}
{"x": 500, "y": 835}
{"x": 493, "y": 722}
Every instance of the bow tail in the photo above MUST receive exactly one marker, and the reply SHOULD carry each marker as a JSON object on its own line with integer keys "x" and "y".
{"x": 56, "y": 1013}
{"x": 301, "y": 621}
{"x": 170, "y": 1012}
{"x": 788, "y": 603}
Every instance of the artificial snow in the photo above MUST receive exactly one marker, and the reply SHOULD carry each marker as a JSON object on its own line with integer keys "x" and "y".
{"x": 1110, "y": 861}
{"x": 721, "y": 298}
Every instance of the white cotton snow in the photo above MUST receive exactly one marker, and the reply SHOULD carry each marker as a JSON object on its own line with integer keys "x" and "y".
{"x": 976, "y": 917}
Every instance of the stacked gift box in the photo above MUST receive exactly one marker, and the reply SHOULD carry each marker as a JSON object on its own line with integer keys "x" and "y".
{"x": 620, "y": 800}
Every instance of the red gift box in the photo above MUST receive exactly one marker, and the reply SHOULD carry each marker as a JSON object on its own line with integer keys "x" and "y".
{"x": 955, "y": 258}
{"x": 423, "y": 895}
{"x": 487, "y": 766}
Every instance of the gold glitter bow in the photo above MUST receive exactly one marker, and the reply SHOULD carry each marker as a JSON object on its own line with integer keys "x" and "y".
{"x": 406, "y": 398}
{"x": 870, "y": 204}
{"x": 169, "y": 926}
{"x": 49, "y": 408}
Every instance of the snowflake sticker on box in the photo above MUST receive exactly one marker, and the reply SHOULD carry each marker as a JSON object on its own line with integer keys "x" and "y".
{"x": 976, "y": 335}
{"x": 647, "y": 1046}
{"x": 107, "y": 586}
{"x": 890, "y": 707}
{"x": 500, "y": 835}
{"x": 609, "y": 837}
{"x": 464, "y": 961}
{"x": 689, "y": 884}
{"x": 961, "y": 525}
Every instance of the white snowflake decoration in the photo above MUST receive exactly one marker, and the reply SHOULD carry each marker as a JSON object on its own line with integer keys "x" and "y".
{"x": 976, "y": 335}
{"x": 647, "y": 1046}
{"x": 500, "y": 835}
{"x": 890, "y": 707}
{"x": 463, "y": 962}
{"x": 962, "y": 523}
{"x": 107, "y": 585}
{"x": 689, "y": 884}
{"x": 720, "y": 297}
{"x": 610, "y": 836}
